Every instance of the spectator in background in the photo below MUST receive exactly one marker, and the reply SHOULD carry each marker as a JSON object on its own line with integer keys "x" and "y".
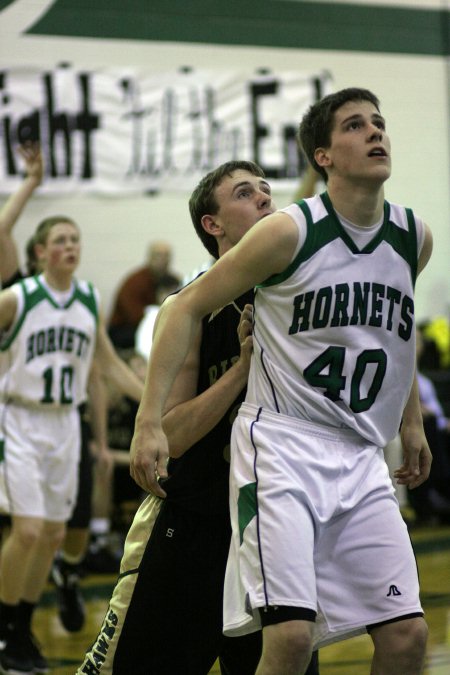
{"x": 138, "y": 291}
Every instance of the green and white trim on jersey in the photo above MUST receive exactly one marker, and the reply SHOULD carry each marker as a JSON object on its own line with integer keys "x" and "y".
{"x": 333, "y": 334}
{"x": 46, "y": 355}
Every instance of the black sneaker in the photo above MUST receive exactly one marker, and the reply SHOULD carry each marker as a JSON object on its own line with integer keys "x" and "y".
{"x": 32, "y": 647}
{"x": 14, "y": 658}
{"x": 71, "y": 609}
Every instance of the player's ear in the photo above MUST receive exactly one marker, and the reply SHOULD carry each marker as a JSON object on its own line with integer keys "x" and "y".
{"x": 322, "y": 157}
{"x": 211, "y": 226}
{"x": 39, "y": 252}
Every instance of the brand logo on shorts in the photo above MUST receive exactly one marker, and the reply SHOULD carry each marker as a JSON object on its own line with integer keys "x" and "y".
{"x": 393, "y": 590}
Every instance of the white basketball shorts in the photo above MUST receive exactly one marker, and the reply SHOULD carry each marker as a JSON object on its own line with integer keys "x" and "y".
{"x": 315, "y": 525}
{"x": 41, "y": 452}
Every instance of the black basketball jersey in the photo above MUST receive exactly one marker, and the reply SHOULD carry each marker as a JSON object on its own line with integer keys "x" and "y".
{"x": 199, "y": 479}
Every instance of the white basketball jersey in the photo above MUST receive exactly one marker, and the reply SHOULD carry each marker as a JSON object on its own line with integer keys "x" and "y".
{"x": 46, "y": 356}
{"x": 334, "y": 338}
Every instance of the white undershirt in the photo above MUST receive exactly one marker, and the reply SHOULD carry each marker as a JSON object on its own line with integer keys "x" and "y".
{"x": 60, "y": 297}
{"x": 361, "y": 236}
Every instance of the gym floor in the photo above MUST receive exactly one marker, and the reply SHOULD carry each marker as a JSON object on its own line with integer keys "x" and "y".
{"x": 352, "y": 657}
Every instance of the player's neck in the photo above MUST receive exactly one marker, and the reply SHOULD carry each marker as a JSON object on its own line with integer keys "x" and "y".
{"x": 361, "y": 205}
{"x": 60, "y": 281}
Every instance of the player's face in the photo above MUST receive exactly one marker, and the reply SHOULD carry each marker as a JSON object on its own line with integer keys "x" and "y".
{"x": 360, "y": 149}
{"x": 243, "y": 199}
{"x": 61, "y": 252}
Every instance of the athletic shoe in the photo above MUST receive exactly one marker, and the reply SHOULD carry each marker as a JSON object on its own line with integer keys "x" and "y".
{"x": 14, "y": 659}
{"x": 40, "y": 663}
{"x": 71, "y": 609}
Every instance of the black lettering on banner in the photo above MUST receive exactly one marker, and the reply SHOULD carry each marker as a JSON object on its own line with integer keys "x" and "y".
{"x": 169, "y": 130}
{"x": 178, "y": 129}
{"x": 86, "y": 122}
{"x": 53, "y": 127}
{"x": 194, "y": 116}
{"x": 136, "y": 112}
{"x": 60, "y": 125}
{"x": 260, "y": 131}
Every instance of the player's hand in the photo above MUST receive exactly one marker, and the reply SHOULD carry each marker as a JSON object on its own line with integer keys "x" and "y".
{"x": 34, "y": 165}
{"x": 417, "y": 457}
{"x": 149, "y": 454}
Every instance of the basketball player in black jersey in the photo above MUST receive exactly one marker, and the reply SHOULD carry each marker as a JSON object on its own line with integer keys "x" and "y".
{"x": 165, "y": 615}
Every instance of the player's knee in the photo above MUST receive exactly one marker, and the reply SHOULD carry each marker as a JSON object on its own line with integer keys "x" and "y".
{"x": 409, "y": 635}
{"x": 417, "y": 638}
{"x": 55, "y": 536}
{"x": 403, "y": 642}
{"x": 28, "y": 533}
{"x": 289, "y": 642}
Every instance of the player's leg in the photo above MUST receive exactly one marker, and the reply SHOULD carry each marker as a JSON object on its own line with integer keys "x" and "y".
{"x": 15, "y": 552}
{"x": 366, "y": 557}
{"x": 273, "y": 541}
{"x": 37, "y": 573}
{"x": 67, "y": 567}
{"x": 399, "y": 647}
{"x": 26, "y": 501}
{"x": 100, "y": 657}
{"x": 241, "y": 655}
{"x": 174, "y": 620}
{"x": 287, "y": 648}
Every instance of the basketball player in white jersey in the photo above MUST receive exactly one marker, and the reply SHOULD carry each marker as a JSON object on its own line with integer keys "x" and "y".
{"x": 319, "y": 550}
{"x": 51, "y": 327}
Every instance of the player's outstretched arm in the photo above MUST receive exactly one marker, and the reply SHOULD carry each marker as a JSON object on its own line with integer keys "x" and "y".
{"x": 256, "y": 257}
{"x": 13, "y": 207}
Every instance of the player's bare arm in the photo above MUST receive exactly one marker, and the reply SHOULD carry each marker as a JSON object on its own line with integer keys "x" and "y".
{"x": 114, "y": 368}
{"x": 251, "y": 261}
{"x": 98, "y": 404}
{"x": 417, "y": 456}
{"x": 188, "y": 417}
{"x": 8, "y": 308}
{"x": 13, "y": 207}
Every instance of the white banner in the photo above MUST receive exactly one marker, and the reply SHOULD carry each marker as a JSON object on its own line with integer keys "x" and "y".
{"x": 123, "y": 132}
